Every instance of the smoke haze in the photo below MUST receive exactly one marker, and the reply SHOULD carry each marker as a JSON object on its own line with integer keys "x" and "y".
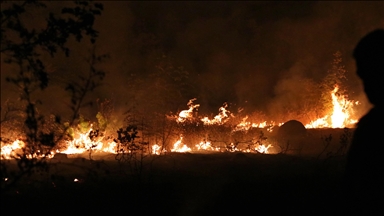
{"x": 250, "y": 54}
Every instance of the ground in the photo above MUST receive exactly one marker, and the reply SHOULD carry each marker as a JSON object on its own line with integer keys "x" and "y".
{"x": 183, "y": 184}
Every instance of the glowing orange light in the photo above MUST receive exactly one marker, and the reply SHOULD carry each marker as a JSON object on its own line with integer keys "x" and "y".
{"x": 339, "y": 116}
{"x": 180, "y": 147}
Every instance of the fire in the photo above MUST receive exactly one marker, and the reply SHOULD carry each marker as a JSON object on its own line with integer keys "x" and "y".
{"x": 110, "y": 147}
{"x": 205, "y": 145}
{"x": 8, "y": 150}
{"x": 340, "y": 114}
{"x": 220, "y": 118}
{"x": 156, "y": 149}
{"x": 84, "y": 143}
{"x": 245, "y": 125}
{"x": 187, "y": 114}
{"x": 263, "y": 149}
{"x": 318, "y": 123}
{"x": 340, "y": 110}
{"x": 180, "y": 147}
{"x": 232, "y": 147}
{"x": 81, "y": 144}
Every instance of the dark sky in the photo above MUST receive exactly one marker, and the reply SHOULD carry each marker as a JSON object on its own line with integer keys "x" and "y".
{"x": 244, "y": 53}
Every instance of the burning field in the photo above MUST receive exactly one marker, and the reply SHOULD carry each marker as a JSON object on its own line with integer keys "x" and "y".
{"x": 190, "y": 132}
{"x": 190, "y": 108}
{"x": 204, "y": 166}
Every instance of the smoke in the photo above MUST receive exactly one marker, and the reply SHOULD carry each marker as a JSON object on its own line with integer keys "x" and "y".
{"x": 253, "y": 54}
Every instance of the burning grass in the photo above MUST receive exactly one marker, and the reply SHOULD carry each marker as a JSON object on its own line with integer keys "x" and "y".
{"x": 196, "y": 165}
{"x": 225, "y": 132}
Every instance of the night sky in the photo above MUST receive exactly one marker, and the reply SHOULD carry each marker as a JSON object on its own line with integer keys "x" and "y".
{"x": 249, "y": 54}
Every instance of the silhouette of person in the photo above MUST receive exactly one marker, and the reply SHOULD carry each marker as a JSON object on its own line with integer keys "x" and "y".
{"x": 365, "y": 159}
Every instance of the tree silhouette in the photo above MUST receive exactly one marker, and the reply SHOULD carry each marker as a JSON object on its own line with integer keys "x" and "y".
{"x": 23, "y": 45}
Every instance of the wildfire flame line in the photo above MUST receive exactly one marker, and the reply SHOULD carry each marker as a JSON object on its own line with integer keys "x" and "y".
{"x": 340, "y": 114}
{"x": 338, "y": 117}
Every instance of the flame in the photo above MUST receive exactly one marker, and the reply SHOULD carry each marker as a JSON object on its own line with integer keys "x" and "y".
{"x": 220, "y": 118}
{"x": 187, "y": 114}
{"x": 205, "y": 145}
{"x": 81, "y": 144}
{"x": 232, "y": 148}
{"x": 110, "y": 147}
{"x": 260, "y": 148}
{"x": 84, "y": 143}
{"x": 263, "y": 149}
{"x": 8, "y": 150}
{"x": 340, "y": 114}
{"x": 156, "y": 149}
{"x": 246, "y": 125}
{"x": 243, "y": 125}
{"x": 178, "y": 146}
{"x": 318, "y": 123}
{"x": 340, "y": 110}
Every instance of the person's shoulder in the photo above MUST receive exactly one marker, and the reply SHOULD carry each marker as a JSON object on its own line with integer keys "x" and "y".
{"x": 374, "y": 116}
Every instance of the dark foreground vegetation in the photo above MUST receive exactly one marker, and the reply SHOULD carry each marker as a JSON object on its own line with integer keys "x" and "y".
{"x": 182, "y": 184}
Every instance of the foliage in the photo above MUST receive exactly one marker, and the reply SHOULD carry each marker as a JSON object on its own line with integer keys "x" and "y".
{"x": 83, "y": 125}
{"x": 69, "y": 130}
{"x": 165, "y": 87}
{"x": 131, "y": 151}
{"x": 23, "y": 45}
{"x": 170, "y": 84}
{"x": 260, "y": 140}
{"x": 102, "y": 122}
{"x": 305, "y": 99}
{"x": 84, "y": 84}
{"x": 326, "y": 142}
{"x": 335, "y": 77}
{"x": 152, "y": 95}
{"x": 105, "y": 113}
{"x": 94, "y": 136}
{"x": 11, "y": 122}
{"x": 345, "y": 140}
{"x": 297, "y": 98}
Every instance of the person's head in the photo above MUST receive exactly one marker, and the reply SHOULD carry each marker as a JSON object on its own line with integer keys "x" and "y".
{"x": 369, "y": 56}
